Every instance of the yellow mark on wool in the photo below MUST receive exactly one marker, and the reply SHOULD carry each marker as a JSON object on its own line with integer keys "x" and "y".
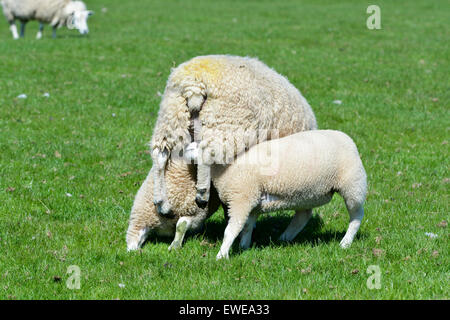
{"x": 204, "y": 69}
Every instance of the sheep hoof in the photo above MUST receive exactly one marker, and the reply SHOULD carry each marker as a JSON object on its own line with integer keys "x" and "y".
{"x": 201, "y": 203}
{"x": 175, "y": 245}
{"x": 345, "y": 244}
{"x": 132, "y": 246}
{"x": 202, "y": 198}
{"x": 284, "y": 238}
{"x": 221, "y": 255}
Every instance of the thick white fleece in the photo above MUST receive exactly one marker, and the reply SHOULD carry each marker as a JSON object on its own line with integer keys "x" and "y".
{"x": 55, "y": 12}
{"x": 234, "y": 99}
{"x": 301, "y": 171}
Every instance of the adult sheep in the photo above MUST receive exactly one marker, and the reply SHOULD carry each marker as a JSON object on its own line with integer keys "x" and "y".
{"x": 57, "y": 13}
{"x": 226, "y": 104}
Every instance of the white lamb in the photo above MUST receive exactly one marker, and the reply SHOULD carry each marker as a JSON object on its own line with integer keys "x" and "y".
{"x": 57, "y": 13}
{"x": 299, "y": 172}
{"x": 226, "y": 104}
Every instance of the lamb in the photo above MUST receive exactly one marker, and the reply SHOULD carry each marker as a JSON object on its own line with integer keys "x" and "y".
{"x": 57, "y": 13}
{"x": 299, "y": 172}
{"x": 144, "y": 219}
{"x": 225, "y": 104}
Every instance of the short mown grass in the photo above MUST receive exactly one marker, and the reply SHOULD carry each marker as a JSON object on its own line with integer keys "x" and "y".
{"x": 71, "y": 163}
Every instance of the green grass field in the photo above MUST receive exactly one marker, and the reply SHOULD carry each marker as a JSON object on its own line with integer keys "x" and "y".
{"x": 71, "y": 163}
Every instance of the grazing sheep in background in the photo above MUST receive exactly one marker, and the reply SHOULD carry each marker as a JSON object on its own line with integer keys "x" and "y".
{"x": 300, "y": 172}
{"x": 57, "y": 13}
{"x": 186, "y": 214}
{"x": 226, "y": 104}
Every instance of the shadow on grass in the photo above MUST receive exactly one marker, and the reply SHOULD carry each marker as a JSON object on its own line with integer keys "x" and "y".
{"x": 269, "y": 228}
{"x": 155, "y": 239}
{"x": 72, "y": 36}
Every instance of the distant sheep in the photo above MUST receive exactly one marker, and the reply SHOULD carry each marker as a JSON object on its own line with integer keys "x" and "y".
{"x": 226, "y": 104}
{"x": 301, "y": 171}
{"x": 57, "y": 13}
{"x": 144, "y": 219}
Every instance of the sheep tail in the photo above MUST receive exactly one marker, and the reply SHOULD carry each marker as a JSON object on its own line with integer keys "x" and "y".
{"x": 195, "y": 95}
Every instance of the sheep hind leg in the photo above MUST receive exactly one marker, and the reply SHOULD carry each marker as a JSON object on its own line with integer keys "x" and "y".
{"x": 203, "y": 185}
{"x": 13, "y": 28}
{"x": 203, "y": 174}
{"x": 296, "y": 225}
{"x": 356, "y": 215}
{"x": 207, "y": 153}
{"x": 246, "y": 234}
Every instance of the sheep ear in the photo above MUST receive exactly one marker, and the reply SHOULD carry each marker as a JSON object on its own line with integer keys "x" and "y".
{"x": 90, "y": 13}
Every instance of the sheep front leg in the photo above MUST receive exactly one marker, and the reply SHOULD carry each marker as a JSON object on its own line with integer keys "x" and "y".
{"x": 41, "y": 29}
{"x": 238, "y": 218}
{"x": 13, "y": 28}
{"x": 159, "y": 186}
{"x": 22, "y": 28}
{"x": 183, "y": 226}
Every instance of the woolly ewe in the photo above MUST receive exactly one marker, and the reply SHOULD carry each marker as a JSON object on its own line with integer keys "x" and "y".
{"x": 57, "y": 13}
{"x": 226, "y": 104}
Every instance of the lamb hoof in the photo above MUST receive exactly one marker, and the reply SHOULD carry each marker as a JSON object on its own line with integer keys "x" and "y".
{"x": 345, "y": 244}
{"x": 221, "y": 255}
